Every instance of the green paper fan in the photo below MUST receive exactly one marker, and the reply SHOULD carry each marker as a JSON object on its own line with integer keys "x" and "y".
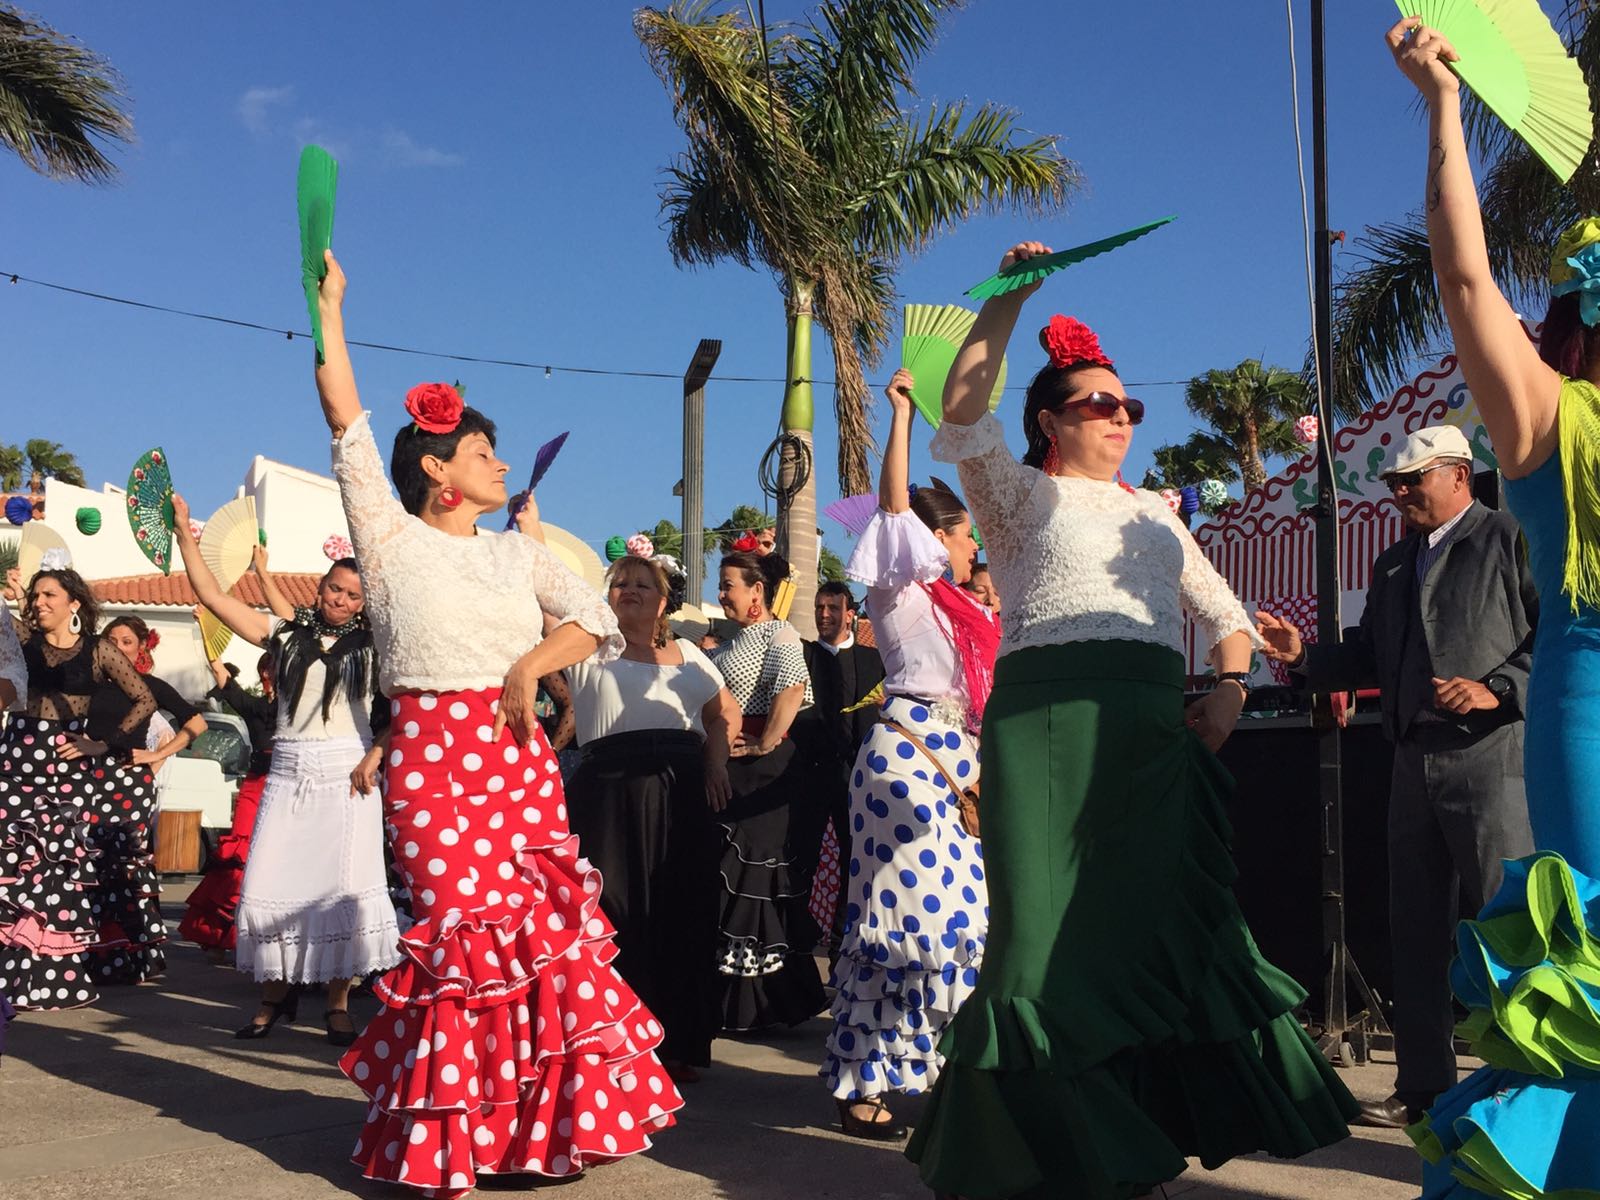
{"x": 314, "y": 192}
{"x": 934, "y": 333}
{"x": 1515, "y": 62}
{"x": 150, "y": 508}
{"x": 1022, "y": 274}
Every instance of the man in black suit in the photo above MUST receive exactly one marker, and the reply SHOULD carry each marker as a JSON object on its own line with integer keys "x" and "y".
{"x": 1447, "y": 634}
{"x": 842, "y": 672}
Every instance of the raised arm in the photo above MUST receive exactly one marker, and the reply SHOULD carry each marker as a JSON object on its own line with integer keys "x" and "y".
{"x": 894, "y": 492}
{"x": 277, "y": 602}
{"x": 1516, "y": 392}
{"x": 254, "y": 627}
{"x": 336, "y": 378}
{"x": 971, "y": 380}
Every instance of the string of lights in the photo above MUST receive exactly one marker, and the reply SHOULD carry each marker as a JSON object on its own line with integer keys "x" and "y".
{"x": 549, "y": 369}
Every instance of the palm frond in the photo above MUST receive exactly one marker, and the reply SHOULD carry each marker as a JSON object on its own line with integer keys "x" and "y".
{"x": 948, "y": 168}
{"x": 58, "y": 100}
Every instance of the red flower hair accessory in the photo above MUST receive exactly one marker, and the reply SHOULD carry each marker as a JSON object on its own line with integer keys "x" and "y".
{"x": 1070, "y": 343}
{"x": 747, "y": 544}
{"x": 152, "y": 640}
{"x": 435, "y": 407}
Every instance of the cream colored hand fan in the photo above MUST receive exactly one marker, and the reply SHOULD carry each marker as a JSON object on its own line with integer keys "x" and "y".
{"x": 37, "y": 537}
{"x": 1514, "y": 60}
{"x": 934, "y": 333}
{"x": 229, "y": 539}
{"x": 577, "y": 556}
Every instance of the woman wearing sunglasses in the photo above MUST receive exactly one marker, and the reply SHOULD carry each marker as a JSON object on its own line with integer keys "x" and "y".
{"x": 1123, "y": 1018}
{"x": 1525, "y": 1126}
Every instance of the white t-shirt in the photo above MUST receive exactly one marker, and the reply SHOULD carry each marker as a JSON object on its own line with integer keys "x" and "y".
{"x": 623, "y": 696}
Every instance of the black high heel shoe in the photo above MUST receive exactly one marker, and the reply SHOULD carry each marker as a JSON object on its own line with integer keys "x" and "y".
{"x": 284, "y": 1010}
{"x": 339, "y": 1037}
{"x": 872, "y": 1130}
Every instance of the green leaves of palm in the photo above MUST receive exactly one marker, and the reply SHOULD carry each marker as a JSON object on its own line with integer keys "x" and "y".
{"x": 51, "y": 460}
{"x": 56, "y": 98}
{"x": 1251, "y": 410}
{"x": 802, "y": 161}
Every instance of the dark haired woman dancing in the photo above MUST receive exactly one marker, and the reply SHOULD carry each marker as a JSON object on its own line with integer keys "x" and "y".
{"x": 127, "y": 898}
{"x": 508, "y": 1043}
{"x": 314, "y": 903}
{"x": 48, "y": 786}
{"x": 767, "y": 935}
{"x": 1123, "y": 1020}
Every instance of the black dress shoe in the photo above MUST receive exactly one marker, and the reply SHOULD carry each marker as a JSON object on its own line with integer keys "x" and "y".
{"x": 284, "y": 1010}
{"x": 870, "y": 1128}
{"x": 1393, "y": 1113}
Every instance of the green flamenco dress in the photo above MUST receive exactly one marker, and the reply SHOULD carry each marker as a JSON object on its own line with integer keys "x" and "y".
{"x": 1528, "y": 1124}
{"x": 1124, "y": 1020}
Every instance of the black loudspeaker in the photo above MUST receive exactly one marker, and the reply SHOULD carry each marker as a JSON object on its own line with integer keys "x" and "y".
{"x": 1277, "y": 845}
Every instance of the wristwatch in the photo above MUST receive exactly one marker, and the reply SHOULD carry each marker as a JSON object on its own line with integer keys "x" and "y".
{"x": 1501, "y": 687}
{"x": 1242, "y": 678}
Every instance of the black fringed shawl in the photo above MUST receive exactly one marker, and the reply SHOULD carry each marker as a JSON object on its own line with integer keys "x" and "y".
{"x": 349, "y": 665}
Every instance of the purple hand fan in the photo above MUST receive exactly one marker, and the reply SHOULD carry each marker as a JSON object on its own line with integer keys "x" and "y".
{"x": 541, "y": 463}
{"x": 853, "y": 512}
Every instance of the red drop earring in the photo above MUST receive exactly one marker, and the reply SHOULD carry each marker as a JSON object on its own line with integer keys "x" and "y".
{"x": 1052, "y": 460}
{"x": 753, "y": 611}
{"x": 450, "y": 497}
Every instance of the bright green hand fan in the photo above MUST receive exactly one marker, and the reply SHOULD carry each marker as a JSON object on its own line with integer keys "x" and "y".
{"x": 1019, "y": 275}
{"x": 150, "y": 508}
{"x": 1515, "y": 61}
{"x": 934, "y": 333}
{"x": 314, "y": 192}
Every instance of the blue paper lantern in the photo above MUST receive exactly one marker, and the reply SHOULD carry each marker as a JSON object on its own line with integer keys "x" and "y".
{"x": 1189, "y": 500}
{"x": 19, "y": 510}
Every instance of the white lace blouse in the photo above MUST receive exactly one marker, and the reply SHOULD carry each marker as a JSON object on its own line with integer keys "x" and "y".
{"x": 452, "y": 613}
{"x": 13, "y": 668}
{"x": 1079, "y": 560}
{"x": 894, "y": 556}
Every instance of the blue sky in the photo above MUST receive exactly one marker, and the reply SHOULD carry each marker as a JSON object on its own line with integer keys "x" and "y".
{"x": 499, "y": 197}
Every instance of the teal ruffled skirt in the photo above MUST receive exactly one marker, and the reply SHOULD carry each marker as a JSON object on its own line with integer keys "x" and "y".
{"x": 1124, "y": 1020}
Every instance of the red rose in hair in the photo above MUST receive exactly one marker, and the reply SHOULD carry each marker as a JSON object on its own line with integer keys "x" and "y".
{"x": 747, "y": 544}
{"x": 1071, "y": 343}
{"x": 152, "y": 640}
{"x": 435, "y": 407}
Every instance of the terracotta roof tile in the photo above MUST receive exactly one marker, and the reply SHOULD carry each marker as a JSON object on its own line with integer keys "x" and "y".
{"x": 174, "y": 589}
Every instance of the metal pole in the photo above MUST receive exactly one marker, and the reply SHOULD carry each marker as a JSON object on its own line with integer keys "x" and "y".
{"x": 694, "y": 465}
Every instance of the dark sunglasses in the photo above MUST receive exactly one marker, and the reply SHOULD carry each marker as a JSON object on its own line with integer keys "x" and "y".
{"x": 1412, "y": 479}
{"x": 1103, "y": 406}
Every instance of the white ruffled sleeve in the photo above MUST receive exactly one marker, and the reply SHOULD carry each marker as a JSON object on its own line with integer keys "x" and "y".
{"x": 1205, "y": 594}
{"x": 571, "y": 601}
{"x": 996, "y": 484}
{"x": 375, "y": 515}
{"x": 13, "y": 667}
{"x": 896, "y": 550}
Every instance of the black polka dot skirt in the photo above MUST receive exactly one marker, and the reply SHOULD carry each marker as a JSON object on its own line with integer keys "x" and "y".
{"x": 127, "y": 895}
{"x": 47, "y": 918}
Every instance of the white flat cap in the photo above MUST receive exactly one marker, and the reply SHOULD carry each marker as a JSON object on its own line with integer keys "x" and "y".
{"x": 1427, "y": 446}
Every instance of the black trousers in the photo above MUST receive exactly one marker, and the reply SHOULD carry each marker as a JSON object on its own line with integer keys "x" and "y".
{"x": 1457, "y": 811}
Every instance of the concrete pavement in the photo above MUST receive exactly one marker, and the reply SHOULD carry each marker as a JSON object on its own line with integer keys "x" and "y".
{"x": 147, "y": 1095}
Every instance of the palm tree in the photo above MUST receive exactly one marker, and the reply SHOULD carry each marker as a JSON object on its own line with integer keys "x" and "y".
{"x": 12, "y": 459}
{"x": 50, "y": 460}
{"x": 1386, "y": 310}
{"x": 1251, "y": 410}
{"x": 1185, "y": 464}
{"x": 800, "y": 160}
{"x": 56, "y": 98}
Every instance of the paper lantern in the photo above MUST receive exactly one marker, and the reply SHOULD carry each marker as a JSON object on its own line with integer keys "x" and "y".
{"x": 1306, "y": 429}
{"x": 1213, "y": 494}
{"x": 1189, "y": 501}
{"x": 88, "y": 520}
{"x": 1173, "y": 500}
{"x": 338, "y": 546}
{"x": 19, "y": 510}
{"x": 616, "y": 547}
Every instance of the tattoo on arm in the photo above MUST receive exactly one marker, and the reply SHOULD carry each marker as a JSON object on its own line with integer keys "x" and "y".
{"x": 1436, "y": 154}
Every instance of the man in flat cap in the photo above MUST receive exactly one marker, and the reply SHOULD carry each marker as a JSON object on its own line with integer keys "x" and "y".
{"x": 1447, "y": 634}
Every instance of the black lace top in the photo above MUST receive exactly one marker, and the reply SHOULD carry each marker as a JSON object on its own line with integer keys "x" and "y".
{"x": 63, "y": 681}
